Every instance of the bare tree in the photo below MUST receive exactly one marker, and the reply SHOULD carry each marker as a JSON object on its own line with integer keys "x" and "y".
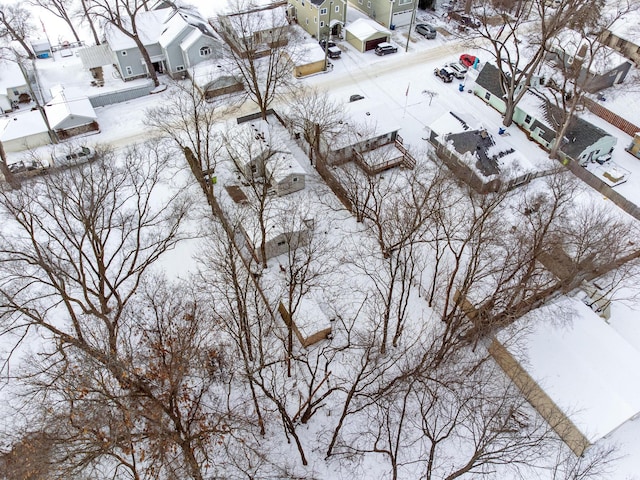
{"x": 124, "y": 16}
{"x": 61, "y": 9}
{"x": 188, "y": 120}
{"x": 15, "y": 24}
{"x": 519, "y": 45}
{"x": 318, "y": 119}
{"x": 260, "y": 53}
{"x": 79, "y": 248}
{"x": 578, "y": 57}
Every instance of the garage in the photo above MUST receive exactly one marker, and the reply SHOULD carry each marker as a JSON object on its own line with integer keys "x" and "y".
{"x": 365, "y": 34}
{"x": 371, "y": 44}
{"x": 400, "y": 19}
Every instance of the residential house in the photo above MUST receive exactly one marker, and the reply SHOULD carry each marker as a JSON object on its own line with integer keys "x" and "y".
{"x": 175, "y": 39}
{"x": 369, "y": 138}
{"x": 485, "y": 161}
{"x": 257, "y": 29}
{"x": 580, "y": 374}
{"x": 624, "y": 37}
{"x": 365, "y": 34}
{"x": 582, "y": 141}
{"x": 390, "y": 13}
{"x": 600, "y": 66}
{"x": 269, "y": 157}
{"x": 319, "y": 18}
{"x": 13, "y": 86}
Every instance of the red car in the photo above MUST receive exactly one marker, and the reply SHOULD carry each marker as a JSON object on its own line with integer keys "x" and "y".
{"x": 467, "y": 60}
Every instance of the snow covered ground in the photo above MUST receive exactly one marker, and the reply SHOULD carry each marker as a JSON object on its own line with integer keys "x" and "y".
{"x": 398, "y": 83}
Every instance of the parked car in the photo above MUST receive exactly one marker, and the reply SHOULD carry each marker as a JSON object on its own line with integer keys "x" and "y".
{"x": 324, "y": 44}
{"x": 443, "y": 74}
{"x": 385, "y": 48}
{"x": 426, "y": 30}
{"x": 456, "y": 69}
{"x": 25, "y": 166}
{"x": 76, "y": 156}
{"x": 355, "y": 97}
{"x": 467, "y": 60}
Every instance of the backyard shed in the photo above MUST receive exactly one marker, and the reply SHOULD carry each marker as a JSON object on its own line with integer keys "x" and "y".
{"x": 310, "y": 324}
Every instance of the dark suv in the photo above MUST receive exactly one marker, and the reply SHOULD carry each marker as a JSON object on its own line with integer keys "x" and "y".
{"x": 384, "y": 48}
{"x": 444, "y": 75}
{"x": 426, "y": 30}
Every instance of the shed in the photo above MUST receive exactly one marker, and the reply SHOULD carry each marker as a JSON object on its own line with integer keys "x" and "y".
{"x": 366, "y": 34}
{"x": 577, "y": 371}
{"x": 310, "y": 324}
{"x": 213, "y": 79}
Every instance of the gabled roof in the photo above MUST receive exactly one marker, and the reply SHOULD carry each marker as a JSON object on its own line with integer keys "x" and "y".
{"x": 365, "y": 28}
{"x": 150, "y": 26}
{"x": 180, "y": 21}
{"x": 60, "y": 108}
{"x": 476, "y": 142}
{"x": 10, "y": 76}
{"x": 489, "y": 79}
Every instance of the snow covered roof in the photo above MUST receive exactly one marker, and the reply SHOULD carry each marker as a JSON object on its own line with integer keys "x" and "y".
{"x": 60, "y": 108}
{"x": 96, "y": 56}
{"x": 21, "y": 125}
{"x": 10, "y": 75}
{"x": 365, "y": 118}
{"x": 364, "y": 28}
{"x": 150, "y": 26}
{"x": 306, "y": 53}
{"x": 628, "y": 27}
{"x": 589, "y": 371}
{"x": 212, "y": 72}
{"x": 261, "y": 18}
{"x": 604, "y": 59}
{"x": 181, "y": 20}
{"x": 310, "y": 318}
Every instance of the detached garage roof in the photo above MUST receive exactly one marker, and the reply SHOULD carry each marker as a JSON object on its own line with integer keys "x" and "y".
{"x": 365, "y": 28}
{"x": 588, "y": 370}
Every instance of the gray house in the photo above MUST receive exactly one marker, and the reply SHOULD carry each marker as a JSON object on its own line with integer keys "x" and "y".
{"x": 176, "y": 39}
{"x": 600, "y": 66}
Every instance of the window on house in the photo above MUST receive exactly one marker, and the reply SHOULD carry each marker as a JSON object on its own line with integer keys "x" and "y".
{"x": 337, "y": 9}
{"x": 321, "y": 24}
{"x": 129, "y": 70}
{"x": 295, "y": 179}
{"x": 487, "y": 95}
{"x": 527, "y": 119}
{"x": 307, "y": 21}
{"x": 179, "y": 68}
{"x": 315, "y": 19}
{"x": 205, "y": 51}
{"x": 281, "y": 243}
{"x": 323, "y": 11}
{"x": 360, "y": 2}
{"x": 123, "y": 53}
{"x": 404, "y": 2}
{"x": 368, "y": 4}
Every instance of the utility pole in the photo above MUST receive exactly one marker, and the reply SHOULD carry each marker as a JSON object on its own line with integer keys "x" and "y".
{"x": 39, "y": 107}
{"x": 326, "y": 45}
{"x": 413, "y": 19}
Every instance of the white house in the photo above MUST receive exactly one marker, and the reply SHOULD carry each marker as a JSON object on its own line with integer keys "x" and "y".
{"x": 12, "y": 86}
{"x": 70, "y": 116}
